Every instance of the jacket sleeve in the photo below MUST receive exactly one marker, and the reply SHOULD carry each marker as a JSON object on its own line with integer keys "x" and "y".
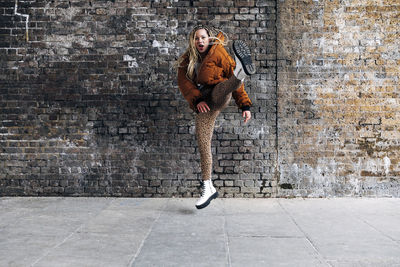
{"x": 188, "y": 88}
{"x": 242, "y": 100}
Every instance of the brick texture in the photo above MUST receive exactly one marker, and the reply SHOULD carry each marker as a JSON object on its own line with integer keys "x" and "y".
{"x": 89, "y": 104}
{"x": 338, "y": 98}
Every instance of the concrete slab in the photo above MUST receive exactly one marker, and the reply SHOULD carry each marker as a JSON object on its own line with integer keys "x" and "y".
{"x": 270, "y": 251}
{"x": 171, "y": 232}
{"x": 184, "y": 236}
{"x": 339, "y": 235}
{"x": 383, "y": 215}
{"x": 37, "y": 225}
{"x": 245, "y": 217}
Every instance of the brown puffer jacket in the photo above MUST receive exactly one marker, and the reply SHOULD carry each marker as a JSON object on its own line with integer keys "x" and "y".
{"x": 216, "y": 67}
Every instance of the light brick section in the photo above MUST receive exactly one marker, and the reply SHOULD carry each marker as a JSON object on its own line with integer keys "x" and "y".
{"x": 338, "y": 82}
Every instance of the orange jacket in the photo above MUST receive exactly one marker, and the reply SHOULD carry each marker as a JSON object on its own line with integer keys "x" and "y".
{"x": 216, "y": 67}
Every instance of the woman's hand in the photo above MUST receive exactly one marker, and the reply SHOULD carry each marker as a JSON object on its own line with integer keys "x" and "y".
{"x": 246, "y": 115}
{"x": 203, "y": 107}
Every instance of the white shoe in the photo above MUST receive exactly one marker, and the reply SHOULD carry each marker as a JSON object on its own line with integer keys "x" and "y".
{"x": 208, "y": 193}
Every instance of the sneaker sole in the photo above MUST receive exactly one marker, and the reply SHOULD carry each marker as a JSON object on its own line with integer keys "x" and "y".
{"x": 242, "y": 51}
{"x": 205, "y": 204}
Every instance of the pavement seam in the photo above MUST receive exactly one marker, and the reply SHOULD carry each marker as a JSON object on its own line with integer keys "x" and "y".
{"x": 308, "y": 238}
{"x": 69, "y": 236}
{"x": 58, "y": 245}
{"x": 226, "y": 237}
{"x": 268, "y": 236}
{"x": 379, "y": 231}
{"x": 358, "y": 217}
{"x": 132, "y": 261}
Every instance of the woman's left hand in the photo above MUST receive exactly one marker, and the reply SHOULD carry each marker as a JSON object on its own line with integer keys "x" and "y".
{"x": 246, "y": 115}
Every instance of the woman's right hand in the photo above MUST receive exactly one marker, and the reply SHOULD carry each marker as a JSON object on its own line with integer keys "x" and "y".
{"x": 203, "y": 107}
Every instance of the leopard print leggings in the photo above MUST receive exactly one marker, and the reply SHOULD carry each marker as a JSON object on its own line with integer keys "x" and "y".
{"x": 217, "y": 100}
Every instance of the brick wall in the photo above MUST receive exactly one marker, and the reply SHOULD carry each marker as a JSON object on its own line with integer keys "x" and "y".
{"x": 89, "y": 104}
{"x": 338, "y": 98}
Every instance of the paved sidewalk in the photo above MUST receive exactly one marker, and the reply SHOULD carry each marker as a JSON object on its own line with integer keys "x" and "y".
{"x": 171, "y": 232}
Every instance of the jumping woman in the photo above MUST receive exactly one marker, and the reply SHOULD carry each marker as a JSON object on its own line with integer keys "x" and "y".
{"x": 207, "y": 78}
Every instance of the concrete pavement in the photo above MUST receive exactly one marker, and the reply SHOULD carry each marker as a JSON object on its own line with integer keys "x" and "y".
{"x": 171, "y": 232}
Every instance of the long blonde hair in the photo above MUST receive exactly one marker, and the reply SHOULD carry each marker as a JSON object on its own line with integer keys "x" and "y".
{"x": 192, "y": 53}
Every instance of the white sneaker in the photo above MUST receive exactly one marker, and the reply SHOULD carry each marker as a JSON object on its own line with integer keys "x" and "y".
{"x": 208, "y": 193}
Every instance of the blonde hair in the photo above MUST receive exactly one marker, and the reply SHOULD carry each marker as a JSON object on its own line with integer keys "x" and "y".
{"x": 193, "y": 54}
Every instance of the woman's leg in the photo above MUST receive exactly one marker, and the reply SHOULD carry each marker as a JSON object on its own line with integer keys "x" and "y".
{"x": 205, "y": 122}
{"x": 204, "y": 130}
{"x": 222, "y": 92}
{"x": 220, "y": 96}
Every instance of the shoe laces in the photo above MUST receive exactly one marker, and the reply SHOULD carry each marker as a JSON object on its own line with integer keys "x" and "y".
{"x": 203, "y": 189}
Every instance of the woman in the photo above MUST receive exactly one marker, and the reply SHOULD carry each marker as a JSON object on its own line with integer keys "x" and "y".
{"x": 207, "y": 78}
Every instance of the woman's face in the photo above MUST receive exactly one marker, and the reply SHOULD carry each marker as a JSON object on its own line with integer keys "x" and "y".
{"x": 201, "y": 40}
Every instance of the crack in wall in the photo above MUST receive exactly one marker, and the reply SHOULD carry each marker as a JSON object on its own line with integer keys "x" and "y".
{"x": 26, "y": 16}
{"x": 277, "y": 165}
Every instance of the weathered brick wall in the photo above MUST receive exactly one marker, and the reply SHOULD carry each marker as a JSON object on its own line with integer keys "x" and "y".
{"x": 89, "y": 103}
{"x": 338, "y": 98}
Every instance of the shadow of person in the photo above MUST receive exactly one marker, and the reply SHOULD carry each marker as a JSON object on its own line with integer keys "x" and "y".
{"x": 186, "y": 211}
